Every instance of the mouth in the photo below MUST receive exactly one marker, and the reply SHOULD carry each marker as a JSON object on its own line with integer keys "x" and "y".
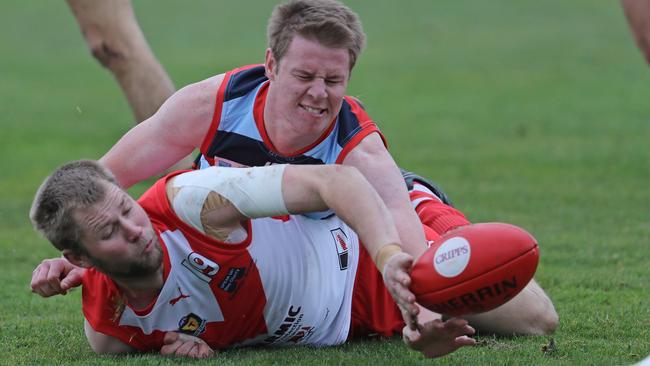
{"x": 147, "y": 247}
{"x": 317, "y": 112}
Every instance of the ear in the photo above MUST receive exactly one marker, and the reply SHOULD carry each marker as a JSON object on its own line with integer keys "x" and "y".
{"x": 270, "y": 64}
{"x": 79, "y": 260}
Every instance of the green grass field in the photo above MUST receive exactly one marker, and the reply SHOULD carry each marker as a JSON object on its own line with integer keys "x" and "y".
{"x": 534, "y": 113}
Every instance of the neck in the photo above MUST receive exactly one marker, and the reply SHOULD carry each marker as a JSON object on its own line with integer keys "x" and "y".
{"x": 286, "y": 138}
{"x": 141, "y": 291}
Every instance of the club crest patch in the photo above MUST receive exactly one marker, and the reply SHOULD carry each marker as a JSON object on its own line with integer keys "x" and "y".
{"x": 191, "y": 324}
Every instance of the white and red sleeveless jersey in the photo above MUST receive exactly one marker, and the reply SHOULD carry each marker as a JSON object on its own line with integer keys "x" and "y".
{"x": 289, "y": 283}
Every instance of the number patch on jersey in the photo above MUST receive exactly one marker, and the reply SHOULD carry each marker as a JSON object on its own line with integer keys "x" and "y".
{"x": 201, "y": 266}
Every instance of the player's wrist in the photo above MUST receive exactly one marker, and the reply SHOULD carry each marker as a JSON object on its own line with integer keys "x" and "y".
{"x": 385, "y": 253}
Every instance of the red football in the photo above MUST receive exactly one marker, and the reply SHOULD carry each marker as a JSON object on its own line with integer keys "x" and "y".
{"x": 474, "y": 268}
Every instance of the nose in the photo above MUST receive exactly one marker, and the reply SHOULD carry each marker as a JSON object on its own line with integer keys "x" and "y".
{"x": 132, "y": 231}
{"x": 317, "y": 89}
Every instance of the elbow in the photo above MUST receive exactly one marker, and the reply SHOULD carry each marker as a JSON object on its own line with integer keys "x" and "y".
{"x": 338, "y": 174}
{"x": 110, "y": 348}
{"x": 103, "y": 344}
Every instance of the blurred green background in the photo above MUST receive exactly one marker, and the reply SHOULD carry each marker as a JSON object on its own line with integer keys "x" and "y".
{"x": 534, "y": 113}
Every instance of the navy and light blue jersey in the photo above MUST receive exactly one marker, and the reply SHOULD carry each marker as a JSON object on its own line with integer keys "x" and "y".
{"x": 237, "y": 137}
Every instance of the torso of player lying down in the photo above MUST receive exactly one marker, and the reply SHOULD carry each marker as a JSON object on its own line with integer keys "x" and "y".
{"x": 289, "y": 282}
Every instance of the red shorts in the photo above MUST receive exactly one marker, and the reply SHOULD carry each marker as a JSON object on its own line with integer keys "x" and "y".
{"x": 374, "y": 312}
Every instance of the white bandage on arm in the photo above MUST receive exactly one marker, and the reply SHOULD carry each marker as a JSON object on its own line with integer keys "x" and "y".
{"x": 255, "y": 192}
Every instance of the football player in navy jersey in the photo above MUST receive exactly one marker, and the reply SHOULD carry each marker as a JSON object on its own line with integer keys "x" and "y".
{"x": 293, "y": 109}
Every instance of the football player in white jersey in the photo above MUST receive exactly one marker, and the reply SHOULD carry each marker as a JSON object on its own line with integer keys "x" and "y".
{"x": 83, "y": 212}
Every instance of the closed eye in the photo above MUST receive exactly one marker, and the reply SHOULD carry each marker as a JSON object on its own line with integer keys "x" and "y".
{"x": 303, "y": 77}
{"x": 108, "y": 232}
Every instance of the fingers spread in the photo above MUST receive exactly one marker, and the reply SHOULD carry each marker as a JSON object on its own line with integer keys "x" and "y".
{"x": 465, "y": 341}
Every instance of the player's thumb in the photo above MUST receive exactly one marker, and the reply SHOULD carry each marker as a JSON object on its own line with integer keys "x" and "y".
{"x": 72, "y": 280}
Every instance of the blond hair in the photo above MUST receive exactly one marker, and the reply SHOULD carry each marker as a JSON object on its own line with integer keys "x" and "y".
{"x": 328, "y": 22}
{"x": 75, "y": 185}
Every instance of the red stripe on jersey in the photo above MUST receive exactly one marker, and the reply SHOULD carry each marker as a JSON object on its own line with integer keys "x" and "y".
{"x": 216, "y": 118}
{"x": 367, "y": 127}
{"x": 101, "y": 305}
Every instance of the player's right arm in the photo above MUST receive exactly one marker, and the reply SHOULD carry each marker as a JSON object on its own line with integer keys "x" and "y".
{"x": 166, "y": 137}
{"x": 147, "y": 149}
{"x": 175, "y": 344}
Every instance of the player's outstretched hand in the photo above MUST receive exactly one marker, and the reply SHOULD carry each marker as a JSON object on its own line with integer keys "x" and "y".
{"x": 181, "y": 344}
{"x": 397, "y": 281}
{"x": 436, "y": 338}
{"x": 55, "y": 277}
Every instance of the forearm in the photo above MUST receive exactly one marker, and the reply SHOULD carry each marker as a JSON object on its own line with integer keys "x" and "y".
{"x": 408, "y": 224}
{"x": 357, "y": 203}
{"x": 374, "y": 162}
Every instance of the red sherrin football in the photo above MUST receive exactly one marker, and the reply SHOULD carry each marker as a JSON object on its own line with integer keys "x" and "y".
{"x": 474, "y": 268}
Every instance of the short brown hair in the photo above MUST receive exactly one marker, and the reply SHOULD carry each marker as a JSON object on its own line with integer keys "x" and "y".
{"x": 327, "y": 21}
{"x": 78, "y": 184}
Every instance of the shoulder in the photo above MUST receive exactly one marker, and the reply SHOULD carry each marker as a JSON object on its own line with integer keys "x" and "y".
{"x": 201, "y": 91}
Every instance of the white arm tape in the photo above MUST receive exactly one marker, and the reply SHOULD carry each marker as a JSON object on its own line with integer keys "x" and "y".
{"x": 255, "y": 192}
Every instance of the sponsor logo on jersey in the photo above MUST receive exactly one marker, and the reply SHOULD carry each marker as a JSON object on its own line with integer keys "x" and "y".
{"x": 218, "y": 161}
{"x": 201, "y": 266}
{"x": 180, "y": 297}
{"x": 235, "y": 279}
{"x": 291, "y": 330}
{"x": 230, "y": 282}
{"x": 342, "y": 244}
{"x": 191, "y": 324}
{"x": 452, "y": 257}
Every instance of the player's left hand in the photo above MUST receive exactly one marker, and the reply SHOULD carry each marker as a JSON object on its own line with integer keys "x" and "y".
{"x": 181, "y": 344}
{"x": 436, "y": 338}
{"x": 397, "y": 280}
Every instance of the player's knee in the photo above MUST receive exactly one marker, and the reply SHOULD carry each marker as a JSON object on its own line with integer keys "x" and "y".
{"x": 106, "y": 54}
{"x": 107, "y": 49}
{"x": 544, "y": 323}
{"x": 549, "y": 322}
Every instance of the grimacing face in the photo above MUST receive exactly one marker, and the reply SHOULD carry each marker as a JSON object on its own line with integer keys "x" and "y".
{"x": 308, "y": 84}
{"x": 118, "y": 236}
